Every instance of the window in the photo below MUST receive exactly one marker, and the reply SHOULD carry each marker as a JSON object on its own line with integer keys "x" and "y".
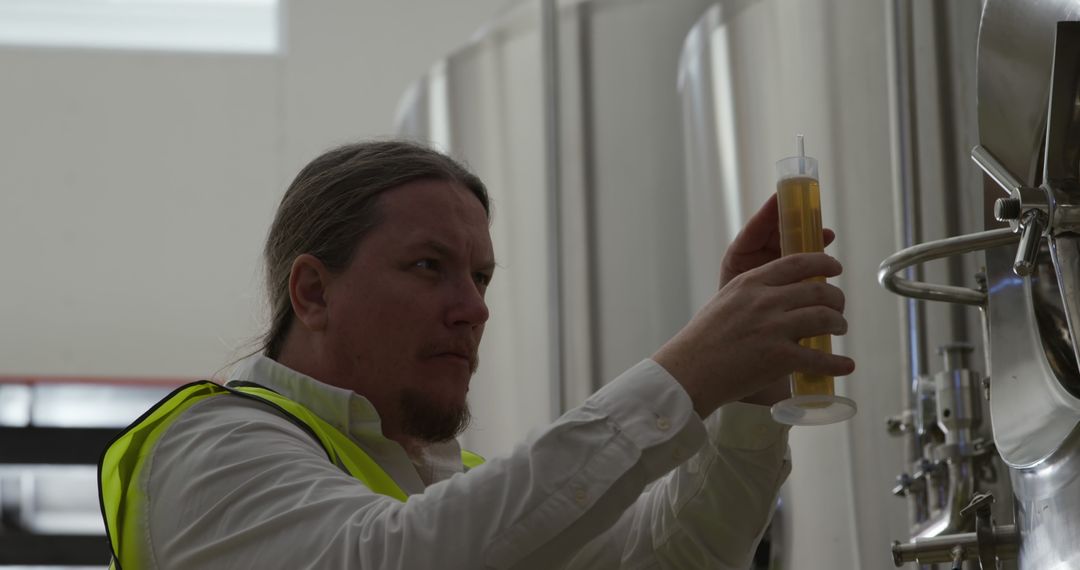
{"x": 230, "y": 26}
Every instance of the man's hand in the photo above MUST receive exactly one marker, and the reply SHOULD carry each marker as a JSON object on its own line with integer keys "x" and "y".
{"x": 757, "y": 244}
{"x": 747, "y": 336}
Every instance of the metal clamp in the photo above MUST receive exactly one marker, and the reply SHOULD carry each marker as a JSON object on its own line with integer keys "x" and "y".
{"x": 984, "y": 529}
{"x": 988, "y": 544}
{"x": 888, "y": 271}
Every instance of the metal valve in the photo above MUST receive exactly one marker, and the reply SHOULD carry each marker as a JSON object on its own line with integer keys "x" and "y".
{"x": 980, "y": 504}
{"x": 897, "y": 426}
{"x": 1032, "y": 224}
{"x": 1025, "y": 209}
{"x": 904, "y": 482}
{"x": 1027, "y": 252}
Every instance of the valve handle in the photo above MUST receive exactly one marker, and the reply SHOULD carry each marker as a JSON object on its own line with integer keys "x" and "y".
{"x": 1028, "y": 251}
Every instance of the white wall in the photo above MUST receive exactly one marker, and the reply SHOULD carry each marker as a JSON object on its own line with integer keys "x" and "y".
{"x": 136, "y": 187}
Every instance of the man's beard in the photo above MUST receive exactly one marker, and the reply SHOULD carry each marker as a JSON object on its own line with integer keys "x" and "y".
{"x": 427, "y": 421}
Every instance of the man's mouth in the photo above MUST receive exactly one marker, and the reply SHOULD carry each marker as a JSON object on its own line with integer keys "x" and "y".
{"x": 456, "y": 356}
{"x": 463, "y": 358}
{"x": 453, "y": 352}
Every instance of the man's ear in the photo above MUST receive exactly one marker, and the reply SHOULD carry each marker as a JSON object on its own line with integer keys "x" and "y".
{"x": 308, "y": 281}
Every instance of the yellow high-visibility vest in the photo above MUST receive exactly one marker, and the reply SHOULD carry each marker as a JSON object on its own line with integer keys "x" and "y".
{"x": 122, "y": 500}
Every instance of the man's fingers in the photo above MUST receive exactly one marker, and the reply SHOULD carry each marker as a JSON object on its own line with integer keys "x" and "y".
{"x": 829, "y": 236}
{"x": 797, "y": 267}
{"x": 761, "y": 227}
{"x": 810, "y": 361}
{"x": 809, "y": 293}
{"x": 807, "y": 322}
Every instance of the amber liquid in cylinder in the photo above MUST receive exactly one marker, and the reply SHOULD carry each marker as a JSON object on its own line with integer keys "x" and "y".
{"x": 800, "y": 232}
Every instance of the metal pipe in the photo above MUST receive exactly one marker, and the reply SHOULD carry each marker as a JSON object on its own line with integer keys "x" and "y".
{"x": 956, "y": 356}
{"x": 957, "y": 493}
{"x": 949, "y": 145}
{"x": 940, "y": 548}
{"x": 908, "y": 172}
{"x": 906, "y": 196}
{"x": 890, "y": 268}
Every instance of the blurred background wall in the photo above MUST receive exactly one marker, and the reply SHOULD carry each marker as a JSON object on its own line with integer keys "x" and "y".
{"x": 136, "y": 187}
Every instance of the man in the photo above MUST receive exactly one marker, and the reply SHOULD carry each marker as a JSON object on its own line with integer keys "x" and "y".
{"x": 336, "y": 449}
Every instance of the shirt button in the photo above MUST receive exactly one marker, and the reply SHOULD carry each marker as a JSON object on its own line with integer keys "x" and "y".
{"x": 663, "y": 424}
{"x": 580, "y": 496}
{"x": 678, "y": 454}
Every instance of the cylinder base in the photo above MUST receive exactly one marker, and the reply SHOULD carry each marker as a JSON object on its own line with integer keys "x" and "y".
{"x": 813, "y": 410}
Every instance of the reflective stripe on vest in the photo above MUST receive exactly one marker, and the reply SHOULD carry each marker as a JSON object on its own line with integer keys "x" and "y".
{"x": 120, "y": 468}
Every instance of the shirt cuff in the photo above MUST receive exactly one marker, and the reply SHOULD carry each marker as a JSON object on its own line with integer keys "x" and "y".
{"x": 747, "y": 427}
{"x": 653, "y": 410}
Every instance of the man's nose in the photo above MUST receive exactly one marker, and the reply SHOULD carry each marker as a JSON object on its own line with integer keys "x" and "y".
{"x": 469, "y": 307}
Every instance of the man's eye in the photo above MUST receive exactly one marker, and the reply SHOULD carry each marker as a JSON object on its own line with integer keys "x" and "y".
{"x": 429, "y": 264}
{"x": 482, "y": 279}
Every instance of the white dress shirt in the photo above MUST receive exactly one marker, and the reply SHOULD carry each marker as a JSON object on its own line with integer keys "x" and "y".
{"x": 233, "y": 484}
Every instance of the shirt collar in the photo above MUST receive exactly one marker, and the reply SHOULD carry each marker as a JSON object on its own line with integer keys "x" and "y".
{"x": 347, "y": 411}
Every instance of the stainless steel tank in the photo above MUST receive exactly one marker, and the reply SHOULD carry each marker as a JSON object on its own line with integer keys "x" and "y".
{"x": 570, "y": 112}
{"x": 1028, "y": 122}
{"x": 1029, "y": 148}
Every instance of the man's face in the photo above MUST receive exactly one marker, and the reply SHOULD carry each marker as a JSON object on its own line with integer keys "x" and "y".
{"x": 406, "y": 316}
